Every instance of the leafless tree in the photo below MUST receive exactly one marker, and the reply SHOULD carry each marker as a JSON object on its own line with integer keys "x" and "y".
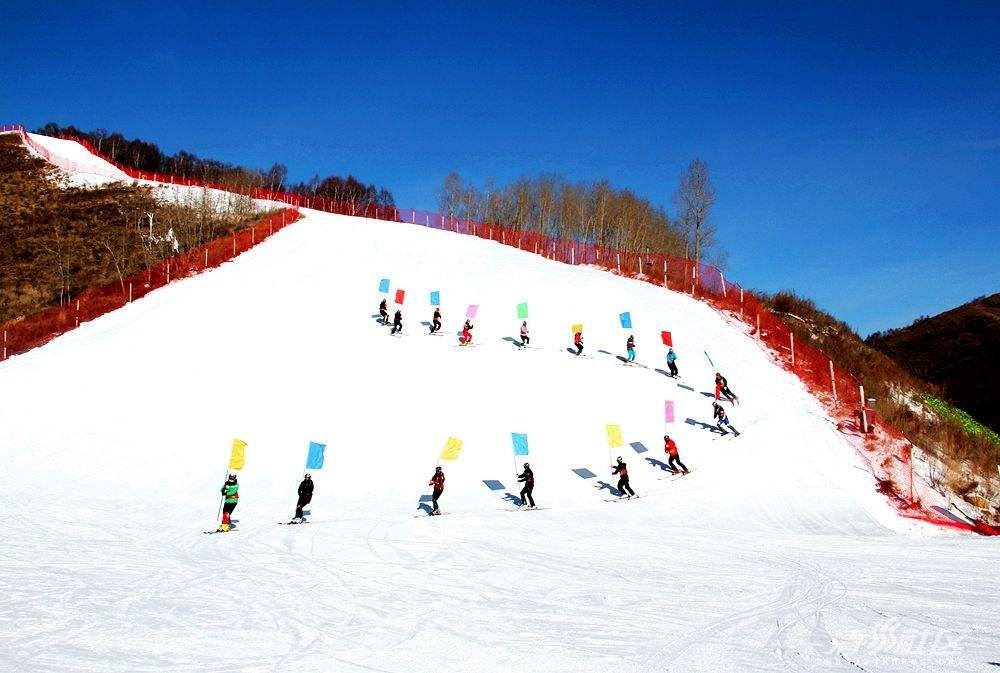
{"x": 694, "y": 199}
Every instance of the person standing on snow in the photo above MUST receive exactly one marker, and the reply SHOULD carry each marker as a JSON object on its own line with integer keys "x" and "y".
{"x": 528, "y": 477}
{"x": 524, "y": 334}
{"x": 384, "y": 312}
{"x": 622, "y": 471}
{"x": 722, "y": 419}
{"x": 672, "y": 361}
{"x": 670, "y": 448}
{"x": 231, "y": 495}
{"x": 722, "y": 386}
{"x": 305, "y": 497}
{"x": 578, "y": 342}
{"x": 466, "y": 337}
{"x": 436, "y": 320}
{"x": 437, "y": 481}
{"x": 630, "y": 347}
{"x": 397, "y": 322}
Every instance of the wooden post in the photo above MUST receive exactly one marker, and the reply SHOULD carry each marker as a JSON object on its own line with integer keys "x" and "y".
{"x": 572, "y": 254}
{"x": 206, "y": 258}
{"x": 5, "y": 344}
{"x": 77, "y": 312}
{"x": 130, "y": 292}
{"x": 833, "y": 383}
{"x": 234, "y": 245}
{"x": 722, "y": 279}
{"x": 640, "y": 265}
{"x": 168, "y": 271}
{"x": 618, "y": 258}
{"x": 253, "y": 235}
{"x": 864, "y": 413}
{"x": 791, "y": 340}
{"x": 909, "y": 459}
{"x": 741, "y": 303}
{"x": 758, "y": 327}
{"x": 665, "y": 273}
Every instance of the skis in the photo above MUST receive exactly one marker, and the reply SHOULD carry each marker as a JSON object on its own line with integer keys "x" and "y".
{"x": 292, "y": 523}
{"x": 429, "y": 516}
{"x": 623, "y": 498}
{"x": 521, "y": 509}
{"x": 213, "y": 532}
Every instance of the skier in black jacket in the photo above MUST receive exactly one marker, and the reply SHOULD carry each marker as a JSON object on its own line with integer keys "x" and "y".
{"x": 397, "y": 322}
{"x": 622, "y": 471}
{"x": 383, "y": 311}
{"x": 305, "y": 497}
{"x": 436, "y": 321}
{"x": 528, "y": 477}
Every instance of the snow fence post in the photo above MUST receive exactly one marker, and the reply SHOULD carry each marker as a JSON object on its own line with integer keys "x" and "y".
{"x": 5, "y": 344}
{"x": 791, "y": 342}
{"x": 77, "y": 312}
{"x": 618, "y": 257}
{"x": 864, "y": 414}
{"x": 640, "y": 265}
{"x": 833, "y": 384}
{"x": 206, "y": 259}
{"x": 572, "y": 254}
{"x": 665, "y": 273}
{"x": 168, "y": 271}
{"x": 253, "y": 235}
{"x": 130, "y": 292}
{"x": 722, "y": 279}
{"x": 758, "y": 327}
{"x": 741, "y": 303}
{"x": 234, "y": 245}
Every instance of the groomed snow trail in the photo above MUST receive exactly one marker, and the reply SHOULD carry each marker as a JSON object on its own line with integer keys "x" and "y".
{"x": 776, "y": 554}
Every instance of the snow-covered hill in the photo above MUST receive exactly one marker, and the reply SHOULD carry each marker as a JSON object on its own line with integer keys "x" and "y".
{"x": 775, "y": 553}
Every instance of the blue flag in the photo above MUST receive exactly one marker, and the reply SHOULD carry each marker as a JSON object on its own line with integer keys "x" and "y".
{"x": 315, "y": 459}
{"x": 435, "y": 298}
{"x": 383, "y": 286}
{"x": 626, "y": 319}
{"x": 520, "y": 443}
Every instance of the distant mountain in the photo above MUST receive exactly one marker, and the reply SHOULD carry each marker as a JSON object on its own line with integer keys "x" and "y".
{"x": 958, "y": 350}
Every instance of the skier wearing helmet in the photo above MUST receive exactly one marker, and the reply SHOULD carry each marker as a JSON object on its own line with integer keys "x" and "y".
{"x": 524, "y": 334}
{"x": 622, "y": 471}
{"x": 528, "y": 477}
{"x": 305, "y": 497}
{"x": 437, "y": 481}
{"x": 231, "y": 496}
{"x": 722, "y": 386}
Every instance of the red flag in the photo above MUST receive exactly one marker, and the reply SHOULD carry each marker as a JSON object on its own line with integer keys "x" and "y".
{"x": 667, "y": 340}
{"x": 399, "y": 296}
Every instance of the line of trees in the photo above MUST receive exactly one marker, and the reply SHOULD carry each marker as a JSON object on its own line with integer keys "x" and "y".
{"x": 593, "y": 212}
{"x": 146, "y": 156}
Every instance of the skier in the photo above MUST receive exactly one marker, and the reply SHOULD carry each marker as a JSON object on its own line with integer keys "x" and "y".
{"x": 382, "y": 311}
{"x": 466, "y": 337}
{"x": 722, "y": 419}
{"x": 437, "y": 481}
{"x": 630, "y": 347}
{"x": 578, "y": 342}
{"x": 622, "y": 471}
{"x": 231, "y": 493}
{"x": 670, "y": 448}
{"x": 524, "y": 334}
{"x": 397, "y": 322}
{"x": 436, "y": 320}
{"x": 528, "y": 477}
{"x": 672, "y": 361}
{"x": 305, "y": 497}
{"x": 722, "y": 386}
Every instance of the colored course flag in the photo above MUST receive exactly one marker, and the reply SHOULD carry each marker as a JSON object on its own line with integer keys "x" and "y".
{"x": 578, "y": 328}
{"x": 400, "y": 295}
{"x": 383, "y": 286}
{"x": 522, "y": 311}
{"x": 520, "y": 443}
{"x": 238, "y": 457}
{"x": 667, "y": 339}
{"x": 626, "y": 320}
{"x": 614, "y": 436}
{"x": 315, "y": 459}
{"x": 470, "y": 313}
{"x": 451, "y": 449}
{"x": 668, "y": 412}
{"x": 435, "y": 298}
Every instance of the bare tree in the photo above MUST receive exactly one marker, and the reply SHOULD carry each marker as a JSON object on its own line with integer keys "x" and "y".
{"x": 450, "y": 193}
{"x": 694, "y": 199}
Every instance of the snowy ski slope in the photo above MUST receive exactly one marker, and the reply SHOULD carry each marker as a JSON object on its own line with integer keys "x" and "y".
{"x": 774, "y": 554}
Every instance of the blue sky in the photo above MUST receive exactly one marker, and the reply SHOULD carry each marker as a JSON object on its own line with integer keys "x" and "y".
{"x": 855, "y": 147}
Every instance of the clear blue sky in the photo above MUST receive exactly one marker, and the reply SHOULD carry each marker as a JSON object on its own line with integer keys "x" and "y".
{"x": 855, "y": 146}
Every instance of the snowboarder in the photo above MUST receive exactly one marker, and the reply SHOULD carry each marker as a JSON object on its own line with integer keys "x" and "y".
{"x": 231, "y": 494}
{"x": 466, "y": 337}
{"x": 630, "y": 347}
{"x": 524, "y": 334}
{"x": 397, "y": 322}
{"x": 670, "y": 448}
{"x": 672, "y": 361}
{"x": 383, "y": 311}
{"x": 305, "y": 497}
{"x": 622, "y": 471}
{"x": 436, "y": 320}
{"x": 437, "y": 481}
{"x": 722, "y": 386}
{"x": 528, "y": 477}
{"x": 578, "y": 342}
{"x": 722, "y": 419}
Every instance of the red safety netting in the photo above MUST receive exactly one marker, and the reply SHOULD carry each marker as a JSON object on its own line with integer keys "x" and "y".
{"x": 885, "y": 448}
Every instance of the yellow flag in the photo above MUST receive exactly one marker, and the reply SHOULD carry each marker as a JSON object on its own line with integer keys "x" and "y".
{"x": 237, "y": 457}
{"x": 451, "y": 449}
{"x": 614, "y": 436}
{"x": 578, "y": 328}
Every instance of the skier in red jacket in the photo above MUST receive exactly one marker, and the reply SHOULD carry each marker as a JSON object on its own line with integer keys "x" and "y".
{"x": 670, "y": 448}
{"x": 466, "y": 337}
{"x": 578, "y": 342}
{"x": 437, "y": 481}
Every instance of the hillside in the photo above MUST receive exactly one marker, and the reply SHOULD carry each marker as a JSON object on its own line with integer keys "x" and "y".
{"x": 955, "y": 350}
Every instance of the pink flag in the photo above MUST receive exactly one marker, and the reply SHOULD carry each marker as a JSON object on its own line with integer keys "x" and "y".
{"x": 471, "y": 313}
{"x": 668, "y": 412}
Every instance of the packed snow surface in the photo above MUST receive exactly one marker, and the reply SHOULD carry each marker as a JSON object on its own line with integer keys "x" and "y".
{"x": 774, "y": 554}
